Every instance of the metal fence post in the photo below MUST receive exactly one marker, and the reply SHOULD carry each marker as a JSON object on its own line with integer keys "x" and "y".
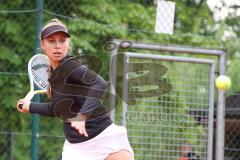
{"x": 112, "y": 78}
{"x": 221, "y": 113}
{"x": 10, "y": 145}
{"x": 35, "y": 117}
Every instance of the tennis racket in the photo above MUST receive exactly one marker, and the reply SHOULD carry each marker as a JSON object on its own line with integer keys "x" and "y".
{"x": 37, "y": 71}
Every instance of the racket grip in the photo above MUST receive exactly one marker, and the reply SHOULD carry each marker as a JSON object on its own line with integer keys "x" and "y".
{"x": 20, "y": 106}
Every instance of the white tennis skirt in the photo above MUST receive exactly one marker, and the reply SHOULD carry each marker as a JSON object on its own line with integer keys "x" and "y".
{"x": 112, "y": 139}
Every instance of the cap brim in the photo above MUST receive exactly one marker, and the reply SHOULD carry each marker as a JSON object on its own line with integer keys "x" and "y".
{"x": 53, "y": 29}
{"x": 50, "y": 33}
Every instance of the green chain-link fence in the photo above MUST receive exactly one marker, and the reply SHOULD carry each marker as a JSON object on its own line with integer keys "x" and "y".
{"x": 92, "y": 24}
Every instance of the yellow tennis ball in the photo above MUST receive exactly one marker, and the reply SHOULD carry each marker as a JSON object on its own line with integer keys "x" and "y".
{"x": 223, "y": 82}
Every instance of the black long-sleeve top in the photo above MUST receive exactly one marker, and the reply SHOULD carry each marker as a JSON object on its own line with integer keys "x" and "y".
{"x": 75, "y": 89}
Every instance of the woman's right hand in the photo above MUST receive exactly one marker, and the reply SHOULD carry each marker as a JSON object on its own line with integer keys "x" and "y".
{"x": 25, "y": 105}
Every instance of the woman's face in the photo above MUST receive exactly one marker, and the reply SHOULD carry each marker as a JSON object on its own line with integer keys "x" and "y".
{"x": 56, "y": 47}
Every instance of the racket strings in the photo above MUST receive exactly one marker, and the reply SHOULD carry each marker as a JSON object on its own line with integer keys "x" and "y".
{"x": 39, "y": 70}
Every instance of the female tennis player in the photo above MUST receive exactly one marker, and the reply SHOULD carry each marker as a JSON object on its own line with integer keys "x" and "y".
{"x": 75, "y": 96}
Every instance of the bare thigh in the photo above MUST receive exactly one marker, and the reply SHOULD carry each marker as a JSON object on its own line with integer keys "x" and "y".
{"x": 122, "y": 154}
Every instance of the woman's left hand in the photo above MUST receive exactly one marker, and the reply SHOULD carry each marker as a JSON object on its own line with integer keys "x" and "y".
{"x": 79, "y": 125}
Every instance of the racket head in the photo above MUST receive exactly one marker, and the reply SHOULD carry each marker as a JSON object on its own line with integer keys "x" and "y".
{"x": 38, "y": 71}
